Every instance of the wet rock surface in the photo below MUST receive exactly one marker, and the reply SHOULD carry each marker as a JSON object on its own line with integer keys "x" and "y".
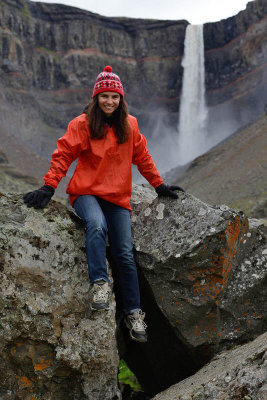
{"x": 237, "y": 374}
{"x": 53, "y": 346}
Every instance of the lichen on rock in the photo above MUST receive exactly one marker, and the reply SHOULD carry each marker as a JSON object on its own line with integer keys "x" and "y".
{"x": 53, "y": 346}
{"x": 202, "y": 275}
{"x": 205, "y": 268}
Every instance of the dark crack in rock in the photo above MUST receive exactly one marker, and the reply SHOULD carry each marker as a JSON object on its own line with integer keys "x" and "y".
{"x": 237, "y": 374}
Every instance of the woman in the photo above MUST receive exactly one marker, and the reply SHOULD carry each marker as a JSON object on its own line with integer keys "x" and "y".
{"x": 106, "y": 140}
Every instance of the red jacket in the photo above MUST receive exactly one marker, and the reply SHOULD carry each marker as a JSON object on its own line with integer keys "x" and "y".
{"x": 104, "y": 166}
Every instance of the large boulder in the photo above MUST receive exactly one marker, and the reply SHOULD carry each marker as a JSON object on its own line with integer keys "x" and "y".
{"x": 52, "y": 345}
{"x": 203, "y": 275}
{"x": 236, "y": 374}
{"x": 206, "y": 267}
{"x": 201, "y": 270}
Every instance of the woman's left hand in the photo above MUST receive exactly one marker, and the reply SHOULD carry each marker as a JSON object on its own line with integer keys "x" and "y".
{"x": 168, "y": 191}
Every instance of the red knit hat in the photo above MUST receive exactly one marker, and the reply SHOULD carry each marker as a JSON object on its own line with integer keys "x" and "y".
{"x": 107, "y": 81}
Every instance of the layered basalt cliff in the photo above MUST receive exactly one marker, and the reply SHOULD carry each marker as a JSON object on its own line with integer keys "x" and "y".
{"x": 236, "y": 68}
{"x": 51, "y": 54}
{"x": 235, "y": 47}
{"x": 56, "y": 47}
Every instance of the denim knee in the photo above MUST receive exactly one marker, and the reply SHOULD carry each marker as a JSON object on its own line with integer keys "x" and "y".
{"x": 90, "y": 212}
{"x": 95, "y": 225}
{"x": 125, "y": 254}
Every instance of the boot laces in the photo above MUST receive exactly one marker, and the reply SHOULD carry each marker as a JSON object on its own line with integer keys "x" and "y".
{"x": 137, "y": 321}
{"x": 101, "y": 292}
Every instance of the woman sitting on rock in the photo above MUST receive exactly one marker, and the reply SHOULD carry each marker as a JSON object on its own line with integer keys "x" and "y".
{"x": 106, "y": 140}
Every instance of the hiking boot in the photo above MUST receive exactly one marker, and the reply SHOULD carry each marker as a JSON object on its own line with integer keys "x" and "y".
{"x": 135, "y": 323}
{"x": 100, "y": 296}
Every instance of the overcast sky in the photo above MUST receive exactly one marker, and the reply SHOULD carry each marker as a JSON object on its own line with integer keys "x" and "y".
{"x": 194, "y": 11}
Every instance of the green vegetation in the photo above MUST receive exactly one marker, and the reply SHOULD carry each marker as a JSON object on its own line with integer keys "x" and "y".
{"x": 26, "y": 10}
{"x": 127, "y": 377}
{"x": 51, "y": 52}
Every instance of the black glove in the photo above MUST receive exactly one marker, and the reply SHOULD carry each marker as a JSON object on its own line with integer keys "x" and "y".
{"x": 39, "y": 198}
{"x": 168, "y": 191}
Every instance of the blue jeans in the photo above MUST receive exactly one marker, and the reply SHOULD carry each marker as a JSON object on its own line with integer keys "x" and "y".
{"x": 101, "y": 218}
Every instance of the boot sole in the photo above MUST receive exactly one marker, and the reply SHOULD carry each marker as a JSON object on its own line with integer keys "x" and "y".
{"x": 140, "y": 340}
{"x": 99, "y": 309}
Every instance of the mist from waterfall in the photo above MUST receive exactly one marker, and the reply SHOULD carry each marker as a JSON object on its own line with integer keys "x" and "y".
{"x": 193, "y": 112}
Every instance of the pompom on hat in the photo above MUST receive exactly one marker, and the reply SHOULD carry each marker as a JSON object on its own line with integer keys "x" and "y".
{"x": 107, "y": 81}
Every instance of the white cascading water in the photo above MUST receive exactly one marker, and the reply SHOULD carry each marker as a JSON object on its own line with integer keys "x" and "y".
{"x": 193, "y": 110}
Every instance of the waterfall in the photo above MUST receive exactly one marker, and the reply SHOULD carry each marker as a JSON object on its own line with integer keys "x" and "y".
{"x": 193, "y": 110}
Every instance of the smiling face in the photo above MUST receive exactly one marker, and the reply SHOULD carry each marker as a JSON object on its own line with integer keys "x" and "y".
{"x": 108, "y": 102}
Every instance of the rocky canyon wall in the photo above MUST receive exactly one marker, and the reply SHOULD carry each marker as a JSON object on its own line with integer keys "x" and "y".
{"x": 51, "y": 54}
{"x": 236, "y": 69}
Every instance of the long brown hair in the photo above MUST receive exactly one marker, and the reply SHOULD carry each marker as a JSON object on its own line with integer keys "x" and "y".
{"x": 97, "y": 120}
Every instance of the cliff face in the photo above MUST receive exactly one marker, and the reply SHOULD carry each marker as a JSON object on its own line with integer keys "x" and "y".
{"x": 51, "y": 54}
{"x": 236, "y": 70}
{"x": 56, "y": 47}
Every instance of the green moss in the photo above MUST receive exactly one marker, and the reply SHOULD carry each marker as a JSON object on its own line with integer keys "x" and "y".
{"x": 51, "y": 52}
{"x": 127, "y": 377}
{"x": 26, "y": 10}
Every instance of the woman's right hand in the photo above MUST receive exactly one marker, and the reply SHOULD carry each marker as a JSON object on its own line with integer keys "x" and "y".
{"x": 39, "y": 198}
